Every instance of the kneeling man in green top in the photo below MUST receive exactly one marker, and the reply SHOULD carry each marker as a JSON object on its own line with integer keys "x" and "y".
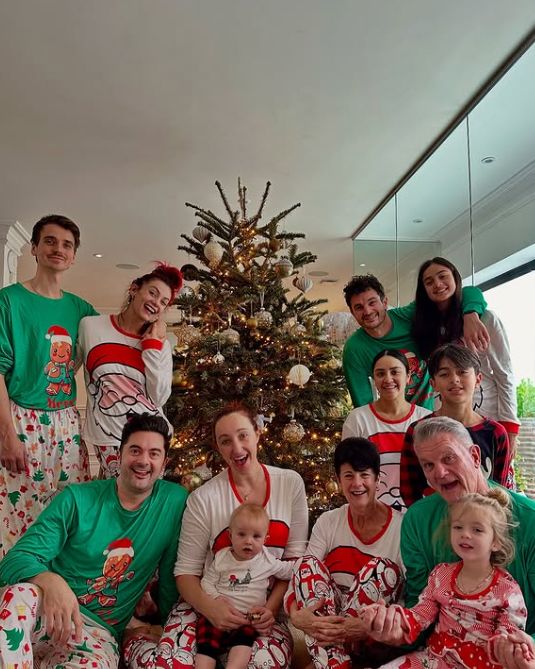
{"x": 76, "y": 575}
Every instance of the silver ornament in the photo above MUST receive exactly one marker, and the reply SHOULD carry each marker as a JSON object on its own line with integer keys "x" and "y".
{"x": 264, "y": 319}
{"x": 230, "y": 337}
{"x": 186, "y": 291}
{"x": 201, "y": 234}
{"x": 283, "y": 267}
{"x": 303, "y": 283}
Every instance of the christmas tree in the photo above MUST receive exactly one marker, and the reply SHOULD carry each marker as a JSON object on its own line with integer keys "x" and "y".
{"x": 247, "y": 334}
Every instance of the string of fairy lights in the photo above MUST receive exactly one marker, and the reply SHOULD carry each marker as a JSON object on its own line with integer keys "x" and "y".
{"x": 247, "y": 331}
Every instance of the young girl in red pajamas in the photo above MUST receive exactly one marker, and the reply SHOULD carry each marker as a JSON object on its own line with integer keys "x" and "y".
{"x": 471, "y": 602}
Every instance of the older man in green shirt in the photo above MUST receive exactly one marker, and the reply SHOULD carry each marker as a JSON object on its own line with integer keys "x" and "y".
{"x": 451, "y": 463}
{"x": 76, "y": 575}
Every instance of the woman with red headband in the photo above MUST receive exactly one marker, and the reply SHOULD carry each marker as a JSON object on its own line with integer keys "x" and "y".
{"x": 128, "y": 362}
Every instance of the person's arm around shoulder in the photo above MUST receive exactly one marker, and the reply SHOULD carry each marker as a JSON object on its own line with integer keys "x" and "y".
{"x": 475, "y": 334}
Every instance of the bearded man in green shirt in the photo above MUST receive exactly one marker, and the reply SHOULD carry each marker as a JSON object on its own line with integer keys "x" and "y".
{"x": 76, "y": 575}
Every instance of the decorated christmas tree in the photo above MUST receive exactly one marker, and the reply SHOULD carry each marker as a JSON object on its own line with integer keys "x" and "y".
{"x": 249, "y": 332}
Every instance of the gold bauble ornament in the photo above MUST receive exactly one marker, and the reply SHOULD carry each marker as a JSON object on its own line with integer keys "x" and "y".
{"x": 191, "y": 481}
{"x": 178, "y": 377}
{"x": 186, "y": 336}
{"x": 331, "y": 487}
{"x": 251, "y": 323}
{"x": 293, "y": 432}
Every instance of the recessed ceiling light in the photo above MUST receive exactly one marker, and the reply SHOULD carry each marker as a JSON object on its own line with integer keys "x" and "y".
{"x": 362, "y": 264}
{"x": 126, "y": 265}
{"x": 417, "y": 220}
{"x": 317, "y": 272}
{"x": 487, "y": 160}
{"x": 98, "y": 255}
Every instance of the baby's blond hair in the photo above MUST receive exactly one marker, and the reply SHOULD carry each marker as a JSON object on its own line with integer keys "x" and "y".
{"x": 253, "y": 511}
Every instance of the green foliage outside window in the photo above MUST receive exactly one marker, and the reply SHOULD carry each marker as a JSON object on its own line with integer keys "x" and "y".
{"x": 525, "y": 394}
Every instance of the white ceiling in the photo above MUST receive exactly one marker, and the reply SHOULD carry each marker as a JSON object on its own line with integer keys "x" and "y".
{"x": 116, "y": 112}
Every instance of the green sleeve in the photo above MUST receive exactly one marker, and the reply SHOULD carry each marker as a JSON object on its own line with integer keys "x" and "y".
{"x": 473, "y": 300}
{"x": 6, "y": 332}
{"x": 42, "y": 542}
{"x": 167, "y": 590}
{"x": 405, "y": 313}
{"x": 415, "y": 556}
{"x": 357, "y": 380}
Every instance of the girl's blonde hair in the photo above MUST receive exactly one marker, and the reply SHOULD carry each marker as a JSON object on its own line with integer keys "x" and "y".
{"x": 497, "y": 505}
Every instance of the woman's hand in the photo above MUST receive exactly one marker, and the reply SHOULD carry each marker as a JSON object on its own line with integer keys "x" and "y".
{"x": 475, "y": 334}
{"x": 225, "y": 617}
{"x": 326, "y": 630}
{"x": 262, "y": 619}
{"x": 156, "y": 330}
{"x": 354, "y": 628}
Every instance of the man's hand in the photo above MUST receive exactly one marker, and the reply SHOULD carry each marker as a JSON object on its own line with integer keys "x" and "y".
{"x": 513, "y": 651}
{"x": 156, "y": 330}
{"x": 12, "y": 453}
{"x": 59, "y": 607}
{"x": 262, "y": 619}
{"x": 225, "y": 616}
{"x": 475, "y": 334}
{"x": 326, "y": 630}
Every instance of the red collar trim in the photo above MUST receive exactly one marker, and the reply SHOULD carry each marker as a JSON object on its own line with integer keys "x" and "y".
{"x": 379, "y": 534}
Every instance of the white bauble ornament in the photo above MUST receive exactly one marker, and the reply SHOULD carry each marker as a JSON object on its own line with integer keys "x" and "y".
{"x": 293, "y": 432}
{"x": 298, "y": 330}
{"x": 283, "y": 267}
{"x": 299, "y": 375}
{"x": 213, "y": 252}
{"x": 186, "y": 291}
{"x": 303, "y": 283}
{"x": 264, "y": 319}
{"x": 230, "y": 337}
{"x": 218, "y": 358}
{"x": 201, "y": 234}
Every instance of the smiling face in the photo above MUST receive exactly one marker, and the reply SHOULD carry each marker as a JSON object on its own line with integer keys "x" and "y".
{"x": 369, "y": 310}
{"x": 237, "y": 440}
{"x": 472, "y": 536}
{"x": 390, "y": 377}
{"x": 150, "y": 299}
{"x": 454, "y": 384}
{"x": 55, "y": 250}
{"x": 142, "y": 461}
{"x": 247, "y": 534}
{"x": 439, "y": 284}
{"x": 358, "y": 487}
{"x": 451, "y": 468}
